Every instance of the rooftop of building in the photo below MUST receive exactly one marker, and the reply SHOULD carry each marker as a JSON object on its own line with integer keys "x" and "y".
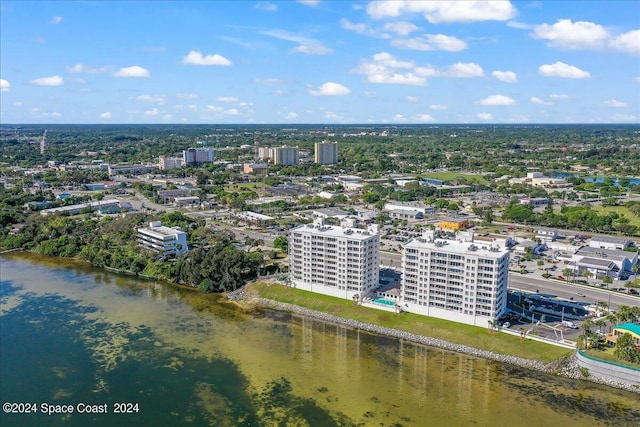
{"x": 634, "y": 328}
{"x": 611, "y": 254}
{"x": 480, "y": 249}
{"x": 337, "y": 231}
{"x": 610, "y": 239}
{"x": 160, "y": 230}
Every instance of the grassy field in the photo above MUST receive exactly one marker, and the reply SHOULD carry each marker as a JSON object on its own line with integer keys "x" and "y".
{"x": 620, "y": 210}
{"x": 471, "y": 336}
{"x": 447, "y": 176}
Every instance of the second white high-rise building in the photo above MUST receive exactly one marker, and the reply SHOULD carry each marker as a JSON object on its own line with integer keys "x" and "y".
{"x": 456, "y": 280}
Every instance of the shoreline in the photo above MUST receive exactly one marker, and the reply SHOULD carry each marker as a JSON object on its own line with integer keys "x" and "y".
{"x": 565, "y": 367}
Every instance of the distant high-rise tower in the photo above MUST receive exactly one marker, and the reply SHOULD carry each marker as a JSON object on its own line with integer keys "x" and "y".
{"x": 194, "y": 156}
{"x": 43, "y": 142}
{"x": 286, "y": 156}
{"x": 326, "y": 153}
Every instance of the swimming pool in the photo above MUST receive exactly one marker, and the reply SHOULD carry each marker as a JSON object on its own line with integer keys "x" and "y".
{"x": 384, "y": 302}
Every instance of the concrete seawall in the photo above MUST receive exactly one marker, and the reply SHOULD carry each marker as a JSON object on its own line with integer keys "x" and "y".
{"x": 605, "y": 371}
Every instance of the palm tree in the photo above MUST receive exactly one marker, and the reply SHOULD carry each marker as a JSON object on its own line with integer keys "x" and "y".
{"x": 600, "y": 323}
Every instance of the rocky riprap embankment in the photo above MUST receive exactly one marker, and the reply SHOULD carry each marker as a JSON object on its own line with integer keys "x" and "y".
{"x": 566, "y": 367}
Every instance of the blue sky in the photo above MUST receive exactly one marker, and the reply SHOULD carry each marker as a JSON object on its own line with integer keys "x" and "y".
{"x": 284, "y": 62}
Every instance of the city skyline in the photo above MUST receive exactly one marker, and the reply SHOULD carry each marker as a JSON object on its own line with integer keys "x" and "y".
{"x": 397, "y": 62}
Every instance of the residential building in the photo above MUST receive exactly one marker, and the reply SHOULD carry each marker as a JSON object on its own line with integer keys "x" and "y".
{"x": 457, "y": 280}
{"x": 197, "y": 156}
{"x": 265, "y": 153}
{"x": 167, "y": 163}
{"x": 167, "y": 241}
{"x": 186, "y": 201}
{"x": 255, "y": 168}
{"x": 341, "y": 261}
{"x": 326, "y": 153}
{"x": 254, "y": 218}
{"x": 547, "y": 234}
{"x": 286, "y": 156}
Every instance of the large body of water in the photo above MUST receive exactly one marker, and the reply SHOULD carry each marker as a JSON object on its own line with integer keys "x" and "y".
{"x": 71, "y": 334}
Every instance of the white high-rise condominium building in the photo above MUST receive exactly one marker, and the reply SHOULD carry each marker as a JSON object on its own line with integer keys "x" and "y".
{"x": 456, "y": 280}
{"x": 195, "y": 156}
{"x": 286, "y": 156}
{"x": 341, "y": 261}
{"x": 326, "y": 153}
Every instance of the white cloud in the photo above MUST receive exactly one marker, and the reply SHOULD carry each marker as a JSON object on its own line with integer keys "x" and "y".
{"x": 133, "y": 71}
{"x": 540, "y": 101}
{"x": 269, "y": 81}
{"x": 444, "y": 11}
{"x": 402, "y": 28}
{"x": 226, "y": 99}
{"x": 330, "y": 89}
{"x": 496, "y": 100}
{"x": 331, "y": 115}
{"x": 81, "y": 68}
{"x": 231, "y": 112}
{"x": 560, "y": 69}
{"x": 615, "y": 104}
{"x": 637, "y": 79}
{"x": 195, "y": 57}
{"x": 5, "y": 86}
{"x": 77, "y": 68}
{"x": 412, "y": 98}
{"x": 153, "y": 99}
{"x": 624, "y": 118}
{"x": 266, "y": 6}
{"x": 187, "y": 95}
{"x": 438, "y": 107}
{"x": 431, "y": 42}
{"x": 519, "y": 25}
{"x": 484, "y": 116}
{"x": 290, "y": 116}
{"x": 152, "y": 112}
{"x": 18, "y": 104}
{"x": 55, "y": 114}
{"x": 363, "y": 29}
{"x": 505, "y": 76}
{"x": 627, "y": 42}
{"x": 48, "y": 81}
{"x": 167, "y": 116}
{"x": 56, "y": 20}
{"x": 305, "y": 44}
{"x": 105, "y": 115}
{"x": 423, "y": 118}
{"x": 577, "y": 35}
{"x": 464, "y": 70}
{"x": 384, "y": 69}
{"x": 558, "y": 96}
{"x": 312, "y": 49}
{"x": 309, "y": 2}
{"x": 399, "y": 118}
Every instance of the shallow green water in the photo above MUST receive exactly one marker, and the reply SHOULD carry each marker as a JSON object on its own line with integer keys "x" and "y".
{"x": 71, "y": 334}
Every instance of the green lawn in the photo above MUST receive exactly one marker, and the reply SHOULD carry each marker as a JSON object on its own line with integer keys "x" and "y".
{"x": 447, "y": 176}
{"x": 471, "y": 336}
{"x": 620, "y": 210}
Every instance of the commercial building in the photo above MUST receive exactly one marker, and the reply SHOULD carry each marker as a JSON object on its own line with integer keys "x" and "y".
{"x": 196, "y": 156}
{"x": 131, "y": 169}
{"x": 457, "y": 280}
{"x": 286, "y": 156}
{"x": 168, "y": 242}
{"x": 326, "y": 153}
{"x": 454, "y": 224}
{"x": 76, "y": 209}
{"x": 341, "y": 261}
{"x": 610, "y": 242}
{"x": 601, "y": 262}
